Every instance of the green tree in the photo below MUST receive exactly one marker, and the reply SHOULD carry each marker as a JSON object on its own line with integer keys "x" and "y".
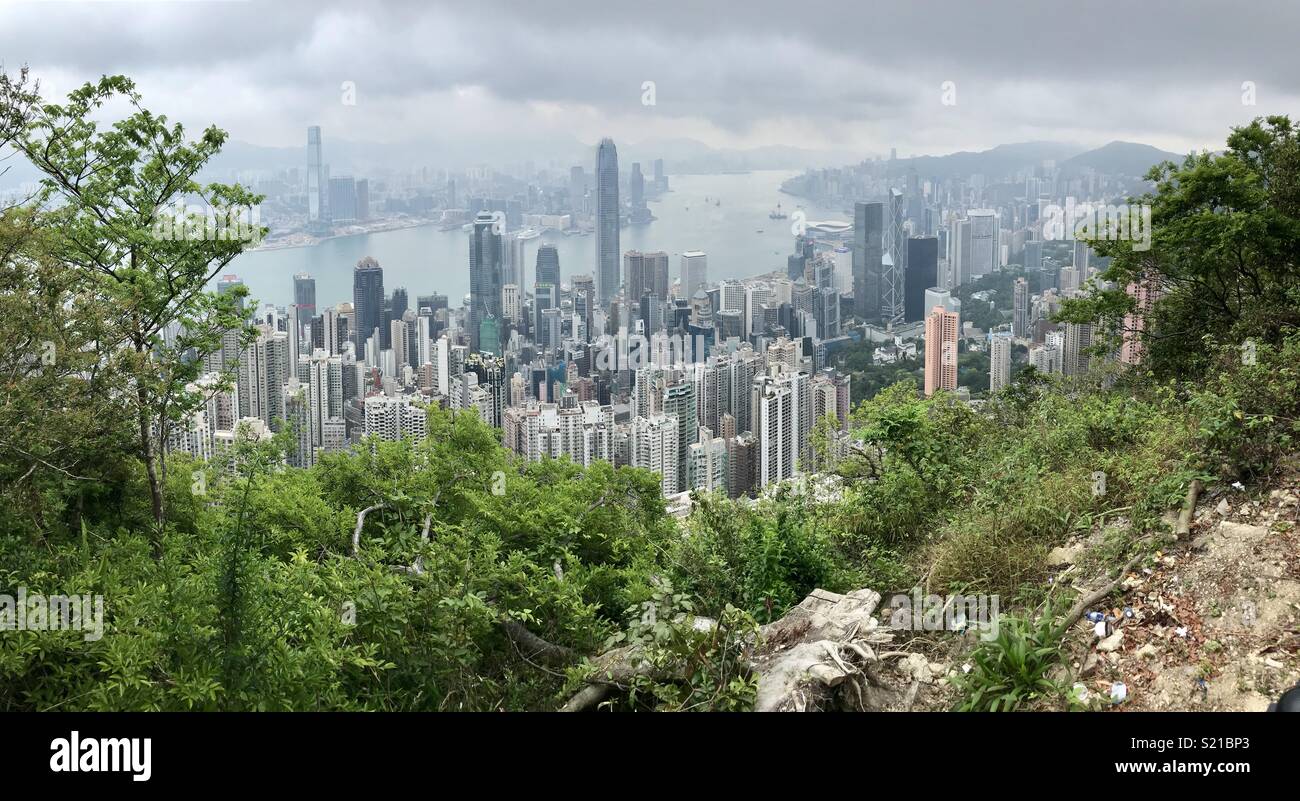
{"x": 1223, "y": 256}
{"x": 114, "y": 194}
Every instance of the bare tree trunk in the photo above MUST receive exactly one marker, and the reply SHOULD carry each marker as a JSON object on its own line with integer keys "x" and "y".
{"x": 151, "y": 469}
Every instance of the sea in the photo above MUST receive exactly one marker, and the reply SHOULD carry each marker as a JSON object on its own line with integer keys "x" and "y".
{"x": 724, "y": 215}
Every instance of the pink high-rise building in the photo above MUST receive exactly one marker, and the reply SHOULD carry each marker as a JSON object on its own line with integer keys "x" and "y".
{"x": 940, "y": 350}
{"x": 1146, "y": 292}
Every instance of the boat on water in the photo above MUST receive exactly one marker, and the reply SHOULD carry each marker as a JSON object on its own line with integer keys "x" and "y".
{"x": 777, "y": 213}
{"x": 528, "y": 233}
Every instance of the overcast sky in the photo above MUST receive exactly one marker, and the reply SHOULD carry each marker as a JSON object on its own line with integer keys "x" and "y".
{"x": 853, "y": 76}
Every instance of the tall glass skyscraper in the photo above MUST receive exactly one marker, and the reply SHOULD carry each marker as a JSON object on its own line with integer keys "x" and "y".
{"x": 315, "y": 178}
{"x": 304, "y": 295}
{"x": 607, "y": 214}
{"x": 548, "y": 265}
{"x": 485, "y": 258}
{"x": 367, "y": 302}
{"x": 867, "y": 244}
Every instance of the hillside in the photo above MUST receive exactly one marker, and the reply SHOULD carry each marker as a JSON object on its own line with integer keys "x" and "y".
{"x": 1119, "y": 158}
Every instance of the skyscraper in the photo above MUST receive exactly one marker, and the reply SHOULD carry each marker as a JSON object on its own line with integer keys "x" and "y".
{"x": 695, "y": 272}
{"x": 893, "y": 274}
{"x": 304, "y": 295}
{"x": 635, "y": 280}
{"x": 922, "y": 274}
{"x": 940, "y": 351}
{"x": 484, "y": 276}
{"x": 548, "y": 265}
{"x": 1075, "y": 356}
{"x": 653, "y": 446}
{"x": 607, "y": 217}
{"x": 679, "y": 403}
{"x": 999, "y": 361}
{"x": 984, "y": 249}
{"x": 315, "y": 178}
{"x": 867, "y": 219}
{"x": 343, "y": 199}
{"x": 775, "y": 409}
{"x": 1020, "y": 308}
{"x": 367, "y": 302}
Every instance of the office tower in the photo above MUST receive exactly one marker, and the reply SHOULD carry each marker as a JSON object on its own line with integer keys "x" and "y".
{"x": 368, "y": 302}
{"x": 653, "y": 446}
{"x": 401, "y": 345}
{"x": 959, "y": 257}
{"x": 332, "y": 338}
{"x": 695, "y": 272}
{"x": 922, "y": 273}
{"x": 343, "y": 199}
{"x": 867, "y": 243}
{"x": 550, "y": 328}
{"x": 1074, "y": 351}
{"x": 999, "y": 361}
{"x": 755, "y": 296}
{"x": 634, "y": 275}
{"x": 985, "y": 255}
{"x": 510, "y": 303}
{"x": 315, "y": 178}
{"x": 545, "y": 298}
{"x": 819, "y": 272}
{"x": 940, "y": 351}
{"x": 484, "y": 278}
{"x": 1081, "y": 260}
{"x": 398, "y": 304}
{"x": 679, "y": 403}
{"x": 584, "y": 301}
{"x": 826, "y": 308}
{"x": 548, "y": 266}
{"x": 1033, "y": 255}
{"x": 304, "y": 296}
{"x": 706, "y": 469}
{"x": 656, "y": 274}
{"x": 775, "y": 409}
{"x": 1020, "y": 308}
{"x": 607, "y": 220}
{"x": 363, "y": 199}
{"x": 512, "y": 259}
{"x": 894, "y": 270}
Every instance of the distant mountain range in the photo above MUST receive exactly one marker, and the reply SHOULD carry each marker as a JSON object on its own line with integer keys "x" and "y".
{"x": 1120, "y": 158}
{"x": 680, "y": 156}
{"x": 1116, "y": 158}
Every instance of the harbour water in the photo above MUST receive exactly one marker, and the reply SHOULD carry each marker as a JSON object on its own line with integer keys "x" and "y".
{"x": 732, "y": 227}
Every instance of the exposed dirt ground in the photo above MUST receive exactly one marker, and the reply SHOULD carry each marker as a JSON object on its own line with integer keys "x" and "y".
{"x": 1214, "y": 623}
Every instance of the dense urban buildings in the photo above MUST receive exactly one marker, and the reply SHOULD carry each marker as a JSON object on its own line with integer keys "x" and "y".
{"x": 717, "y": 385}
